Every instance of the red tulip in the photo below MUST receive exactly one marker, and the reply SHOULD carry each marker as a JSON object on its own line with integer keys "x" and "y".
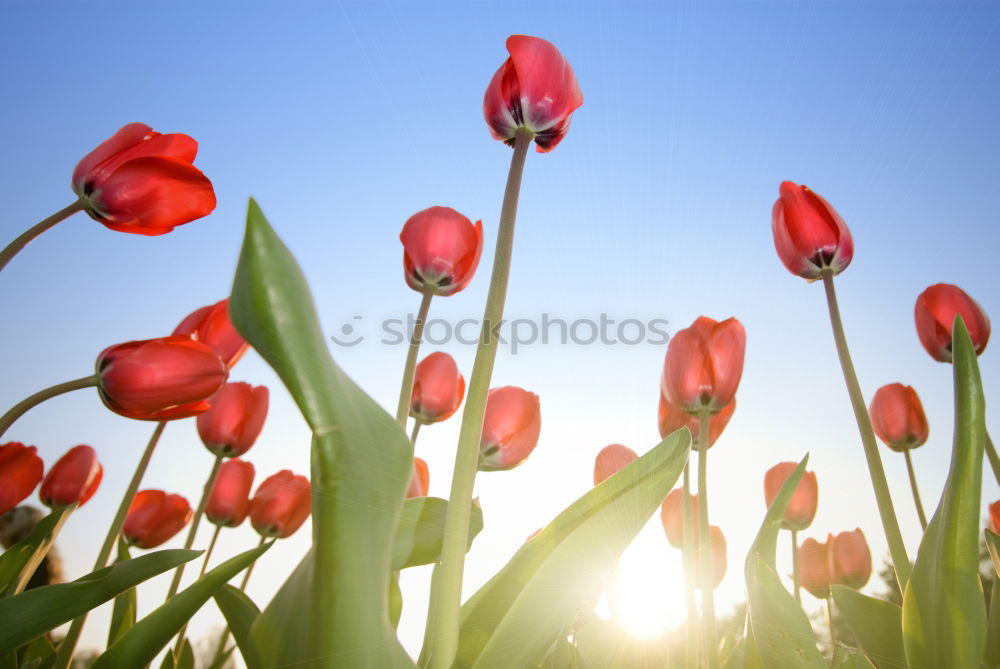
{"x": 536, "y": 89}
{"x": 420, "y": 480}
{"x": 142, "y": 182}
{"x": 815, "y": 570}
{"x": 235, "y": 420}
{"x": 809, "y": 234}
{"x": 672, "y": 517}
{"x": 995, "y": 517}
{"x": 159, "y": 379}
{"x": 438, "y": 388}
{"x": 704, "y": 364}
{"x": 229, "y": 501}
{"x": 211, "y": 325}
{"x": 719, "y": 563}
{"x": 801, "y": 508}
{"x": 672, "y": 419}
{"x": 73, "y": 479}
{"x": 610, "y": 460}
{"x": 844, "y": 559}
{"x": 898, "y": 417}
{"x": 20, "y": 471}
{"x": 155, "y": 517}
{"x": 935, "y": 314}
{"x": 441, "y": 250}
{"x": 282, "y": 503}
{"x": 511, "y": 426}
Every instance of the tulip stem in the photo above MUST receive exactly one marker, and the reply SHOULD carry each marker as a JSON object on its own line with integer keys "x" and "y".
{"x": 15, "y": 246}
{"x": 829, "y": 623}
{"x": 246, "y": 575}
{"x": 991, "y": 455}
{"x": 415, "y": 432}
{"x": 897, "y": 550}
{"x": 208, "y": 552}
{"x": 21, "y": 407}
{"x": 441, "y": 638}
{"x": 913, "y": 487}
{"x": 709, "y": 637}
{"x": 795, "y": 566}
{"x": 64, "y": 654}
{"x": 406, "y": 390}
{"x": 693, "y": 628}
{"x": 42, "y": 550}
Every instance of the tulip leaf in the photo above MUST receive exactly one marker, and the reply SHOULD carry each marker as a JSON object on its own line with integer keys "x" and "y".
{"x": 34, "y": 612}
{"x": 944, "y": 616}
{"x": 849, "y": 658}
{"x": 603, "y": 644}
{"x": 361, "y": 466}
{"x": 14, "y": 559}
{"x": 515, "y": 617}
{"x": 421, "y": 529}
{"x": 991, "y": 658}
{"x": 124, "y": 611}
{"x": 877, "y": 625}
{"x": 993, "y": 546}
{"x": 240, "y": 612}
{"x": 744, "y": 656}
{"x": 184, "y": 661}
{"x": 140, "y": 644}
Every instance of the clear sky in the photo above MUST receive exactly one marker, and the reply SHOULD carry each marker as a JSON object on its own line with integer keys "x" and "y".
{"x": 344, "y": 119}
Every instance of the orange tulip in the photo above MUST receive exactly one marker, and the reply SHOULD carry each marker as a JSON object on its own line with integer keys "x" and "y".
{"x": 671, "y": 419}
{"x": 672, "y": 517}
{"x": 511, "y": 427}
{"x": 898, "y": 417}
{"x": 704, "y": 364}
{"x": 438, "y": 388}
{"x": 801, "y": 508}
{"x": 420, "y": 479}
{"x": 610, "y": 460}
{"x": 844, "y": 559}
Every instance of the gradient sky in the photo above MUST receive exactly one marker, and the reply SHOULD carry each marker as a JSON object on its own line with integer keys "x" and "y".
{"x": 344, "y": 119}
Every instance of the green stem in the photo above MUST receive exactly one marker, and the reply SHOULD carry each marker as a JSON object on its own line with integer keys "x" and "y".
{"x": 64, "y": 655}
{"x": 21, "y": 407}
{"x": 37, "y": 229}
{"x": 441, "y": 639}
{"x": 829, "y": 623}
{"x": 415, "y": 432}
{"x": 208, "y": 552}
{"x": 246, "y": 575}
{"x": 42, "y": 550}
{"x": 795, "y": 567}
{"x": 406, "y": 390}
{"x": 916, "y": 493}
{"x": 693, "y": 627}
{"x": 991, "y": 455}
{"x": 710, "y": 638}
{"x": 897, "y": 550}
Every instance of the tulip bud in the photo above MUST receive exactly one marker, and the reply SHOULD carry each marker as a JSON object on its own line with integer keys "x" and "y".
{"x": 438, "y": 388}
{"x": 809, "y": 234}
{"x": 672, "y": 419}
{"x": 420, "y": 479}
{"x": 142, "y": 182}
{"x": 511, "y": 427}
{"x": 898, "y": 417}
{"x": 801, "y": 508}
{"x": 852, "y": 559}
{"x": 995, "y": 517}
{"x": 611, "y": 460}
{"x": 935, "y": 313}
{"x": 282, "y": 503}
{"x": 815, "y": 570}
{"x": 73, "y": 479}
{"x": 229, "y": 501}
{"x": 535, "y": 89}
{"x": 155, "y": 517}
{"x": 719, "y": 563}
{"x": 20, "y": 472}
{"x": 159, "y": 379}
{"x": 703, "y": 365}
{"x": 211, "y": 325}
{"x": 672, "y": 517}
{"x": 441, "y": 250}
{"x": 235, "y": 420}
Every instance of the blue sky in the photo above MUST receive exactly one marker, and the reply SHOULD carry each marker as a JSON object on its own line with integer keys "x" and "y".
{"x": 343, "y": 119}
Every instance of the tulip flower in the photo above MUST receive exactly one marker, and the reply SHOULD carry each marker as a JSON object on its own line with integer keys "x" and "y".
{"x": 73, "y": 479}
{"x": 536, "y": 89}
{"x": 159, "y": 379}
{"x": 718, "y": 543}
{"x": 672, "y": 419}
{"x": 801, "y": 508}
{"x": 935, "y": 312}
{"x": 420, "y": 480}
{"x": 20, "y": 472}
{"x": 155, "y": 517}
{"x": 229, "y": 501}
{"x": 809, "y": 234}
{"x": 815, "y": 573}
{"x": 610, "y": 460}
{"x": 672, "y": 517}
{"x": 441, "y": 250}
{"x": 438, "y": 389}
{"x": 511, "y": 426}
{"x": 995, "y": 517}
{"x": 280, "y": 506}
{"x": 211, "y": 325}
{"x": 235, "y": 420}
{"x": 844, "y": 559}
{"x": 898, "y": 417}
{"x": 703, "y": 365}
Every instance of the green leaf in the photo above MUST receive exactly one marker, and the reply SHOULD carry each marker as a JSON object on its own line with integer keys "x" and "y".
{"x": 876, "y": 623}
{"x": 993, "y": 545}
{"x": 944, "y": 616}
{"x": 241, "y": 613}
{"x": 602, "y": 644}
{"x": 781, "y": 631}
{"x": 514, "y": 618}
{"x": 361, "y": 464}
{"x": 35, "y": 612}
{"x": 124, "y": 611}
{"x": 421, "y": 529}
{"x": 14, "y": 559}
{"x": 849, "y": 658}
{"x": 744, "y": 656}
{"x": 139, "y": 645}
{"x": 991, "y": 658}
{"x": 40, "y": 650}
